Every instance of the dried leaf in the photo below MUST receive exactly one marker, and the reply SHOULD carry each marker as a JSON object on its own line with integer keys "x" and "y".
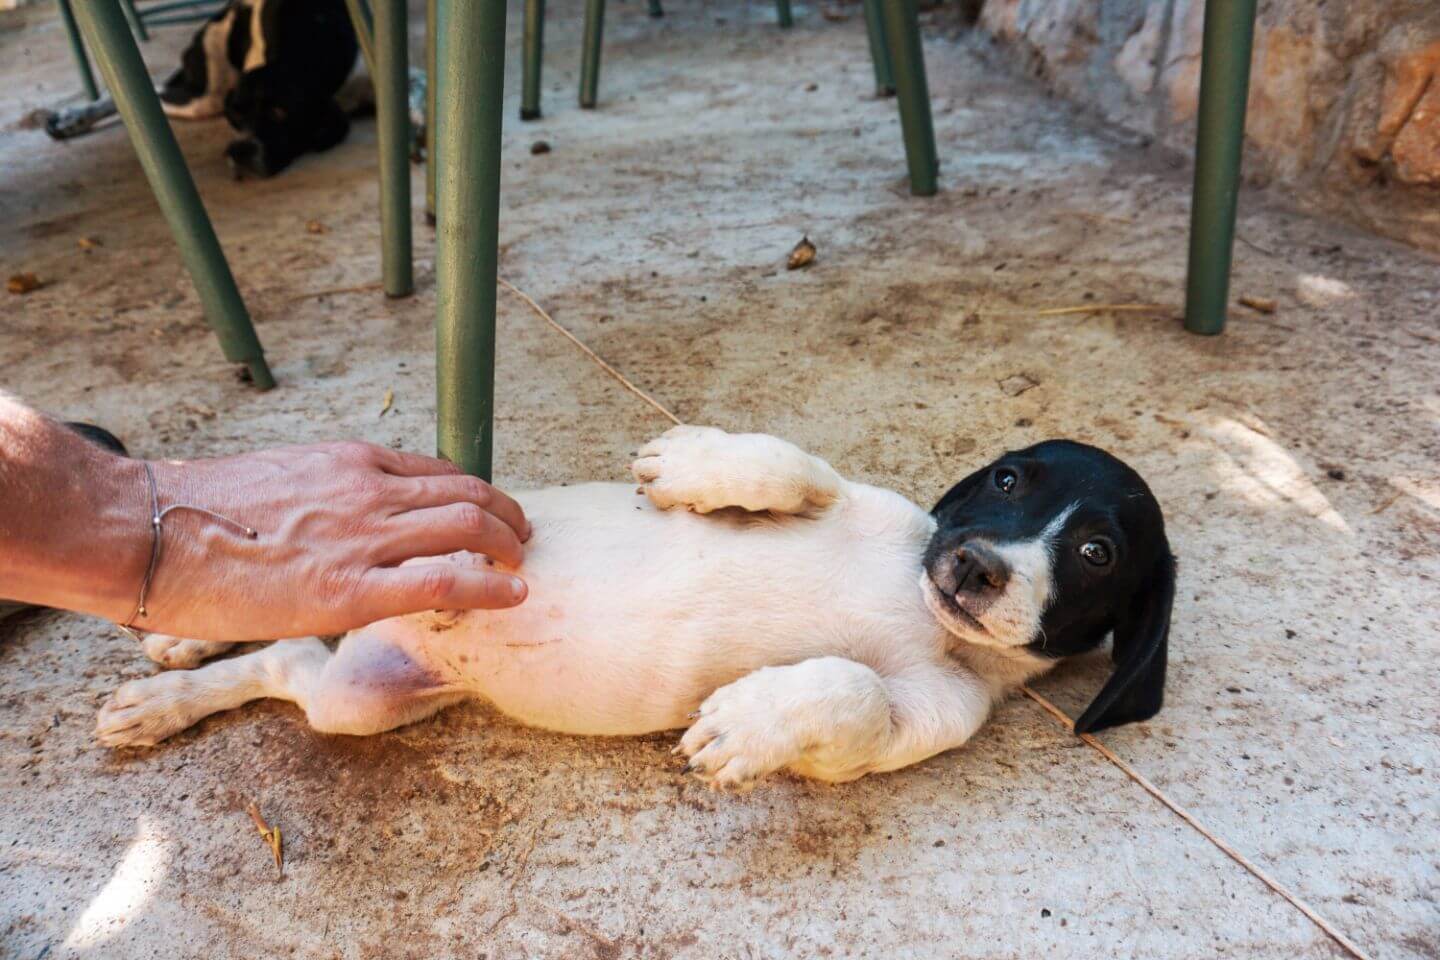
{"x": 539, "y": 147}
{"x": 88, "y": 243}
{"x": 802, "y": 256}
{"x": 1260, "y": 304}
{"x": 23, "y": 283}
{"x": 388, "y": 402}
{"x": 271, "y": 836}
{"x": 1017, "y": 383}
{"x": 315, "y": 226}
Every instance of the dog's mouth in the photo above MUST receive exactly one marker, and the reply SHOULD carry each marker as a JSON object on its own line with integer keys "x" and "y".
{"x": 949, "y": 610}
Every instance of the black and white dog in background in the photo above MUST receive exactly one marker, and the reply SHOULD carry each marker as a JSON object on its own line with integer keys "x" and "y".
{"x": 272, "y": 67}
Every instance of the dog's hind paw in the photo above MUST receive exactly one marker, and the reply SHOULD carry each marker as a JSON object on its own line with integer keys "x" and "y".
{"x": 143, "y": 712}
{"x": 179, "y": 653}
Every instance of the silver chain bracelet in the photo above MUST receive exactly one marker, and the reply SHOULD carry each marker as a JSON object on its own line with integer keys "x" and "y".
{"x": 157, "y": 529}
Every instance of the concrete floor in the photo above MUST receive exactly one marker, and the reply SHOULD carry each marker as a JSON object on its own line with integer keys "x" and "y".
{"x": 1296, "y": 457}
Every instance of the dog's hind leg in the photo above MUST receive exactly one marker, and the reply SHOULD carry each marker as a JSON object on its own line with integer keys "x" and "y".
{"x": 369, "y": 686}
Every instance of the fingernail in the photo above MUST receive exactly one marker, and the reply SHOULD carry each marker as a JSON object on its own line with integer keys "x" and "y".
{"x": 517, "y": 588}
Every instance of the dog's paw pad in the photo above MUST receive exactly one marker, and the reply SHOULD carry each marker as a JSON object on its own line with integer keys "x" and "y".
{"x": 738, "y": 738}
{"x": 180, "y": 653}
{"x": 143, "y": 712}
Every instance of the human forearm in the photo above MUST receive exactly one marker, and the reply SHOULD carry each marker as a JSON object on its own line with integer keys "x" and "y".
{"x": 74, "y": 529}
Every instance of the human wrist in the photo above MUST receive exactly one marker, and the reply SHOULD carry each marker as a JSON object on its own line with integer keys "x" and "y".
{"x": 116, "y": 556}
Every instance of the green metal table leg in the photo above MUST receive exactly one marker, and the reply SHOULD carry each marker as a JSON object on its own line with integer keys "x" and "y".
{"x": 783, "y": 15}
{"x": 879, "y": 49}
{"x": 364, "y": 32}
{"x": 655, "y": 9}
{"x": 124, "y": 71}
{"x": 534, "y": 48}
{"x": 472, "y": 82}
{"x": 392, "y": 109}
{"x": 902, "y": 31}
{"x": 1219, "y": 136}
{"x": 432, "y": 26}
{"x": 77, "y": 48}
{"x": 590, "y": 52}
{"x": 136, "y": 24}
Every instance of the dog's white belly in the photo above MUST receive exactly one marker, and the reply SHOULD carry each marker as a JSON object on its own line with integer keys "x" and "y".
{"x": 635, "y": 615}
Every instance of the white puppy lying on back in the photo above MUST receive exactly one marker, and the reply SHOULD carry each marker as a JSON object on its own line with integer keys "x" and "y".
{"x": 820, "y": 625}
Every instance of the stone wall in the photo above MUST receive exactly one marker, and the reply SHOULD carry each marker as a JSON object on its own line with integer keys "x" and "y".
{"x": 1344, "y": 105}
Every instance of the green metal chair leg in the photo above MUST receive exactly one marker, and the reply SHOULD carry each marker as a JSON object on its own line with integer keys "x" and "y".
{"x": 364, "y": 26}
{"x": 107, "y": 34}
{"x": 590, "y": 53}
{"x": 136, "y": 24}
{"x": 655, "y": 9}
{"x": 902, "y": 31}
{"x": 534, "y": 48}
{"x": 1219, "y": 136}
{"x": 879, "y": 49}
{"x": 432, "y": 26}
{"x": 783, "y": 15}
{"x": 471, "y": 104}
{"x": 77, "y": 48}
{"x": 392, "y": 117}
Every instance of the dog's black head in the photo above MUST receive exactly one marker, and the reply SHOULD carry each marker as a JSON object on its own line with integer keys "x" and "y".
{"x": 1050, "y": 548}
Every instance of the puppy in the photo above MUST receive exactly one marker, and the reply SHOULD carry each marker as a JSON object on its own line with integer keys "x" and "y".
{"x": 273, "y": 68}
{"x": 802, "y": 621}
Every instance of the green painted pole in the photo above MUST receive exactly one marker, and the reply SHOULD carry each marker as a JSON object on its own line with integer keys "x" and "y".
{"x": 533, "y": 56}
{"x": 105, "y": 30}
{"x": 392, "y": 110}
{"x": 136, "y": 24}
{"x": 77, "y": 49}
{"x": 471, "y": 104}
{"x": 364, "y": 33}
{"x": 783, "y": 15}
{"x": 590, "y": 52}
{"x": 655, "y": 9}
{"x": 432, "y": 26}
{"x": 879, "y": 49}
{"x": 907, "y": 56}
{"x": 1219, "y": 136}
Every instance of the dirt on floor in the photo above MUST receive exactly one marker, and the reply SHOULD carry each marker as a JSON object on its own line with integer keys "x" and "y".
{"x": 1296, "y": 457}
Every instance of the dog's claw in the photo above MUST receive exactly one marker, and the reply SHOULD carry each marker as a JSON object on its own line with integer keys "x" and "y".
{"x": 693, "y": 715}
{"x": 688, "y": 767}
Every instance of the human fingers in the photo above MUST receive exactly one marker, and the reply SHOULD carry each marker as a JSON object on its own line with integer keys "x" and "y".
{"x": 435, "y": 531}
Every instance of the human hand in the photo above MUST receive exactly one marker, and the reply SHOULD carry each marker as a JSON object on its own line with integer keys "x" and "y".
{"x": 334, "y": 523}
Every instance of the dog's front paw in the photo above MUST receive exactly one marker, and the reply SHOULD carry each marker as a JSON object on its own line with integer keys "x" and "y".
{"x": 740, "y": 735}
{"x": 707, "y": 469}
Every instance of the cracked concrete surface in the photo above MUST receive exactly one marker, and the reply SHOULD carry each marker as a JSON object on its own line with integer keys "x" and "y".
{"x": 1296, "y": 457}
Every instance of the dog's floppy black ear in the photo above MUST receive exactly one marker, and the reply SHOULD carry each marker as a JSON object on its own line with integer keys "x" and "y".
{"x": 961, "y": 490}
{"x": 1137, "y": 687}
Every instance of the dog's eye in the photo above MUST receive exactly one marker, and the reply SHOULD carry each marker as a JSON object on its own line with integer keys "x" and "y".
{"x": 1005, "y": 479}
{"x": 1096, "y": 553}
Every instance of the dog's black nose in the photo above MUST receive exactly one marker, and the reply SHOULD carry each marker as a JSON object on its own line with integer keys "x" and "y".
{"x": 979, "y": 570}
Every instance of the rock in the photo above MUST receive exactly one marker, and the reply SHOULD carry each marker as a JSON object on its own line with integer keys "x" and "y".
{"x": 1410, "y": 112}
{"x": 1139, "y": 58}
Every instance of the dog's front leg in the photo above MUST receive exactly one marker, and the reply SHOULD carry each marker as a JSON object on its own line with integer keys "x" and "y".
{"x": 707, "y": 469}
{"x": 832, "y": 719}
